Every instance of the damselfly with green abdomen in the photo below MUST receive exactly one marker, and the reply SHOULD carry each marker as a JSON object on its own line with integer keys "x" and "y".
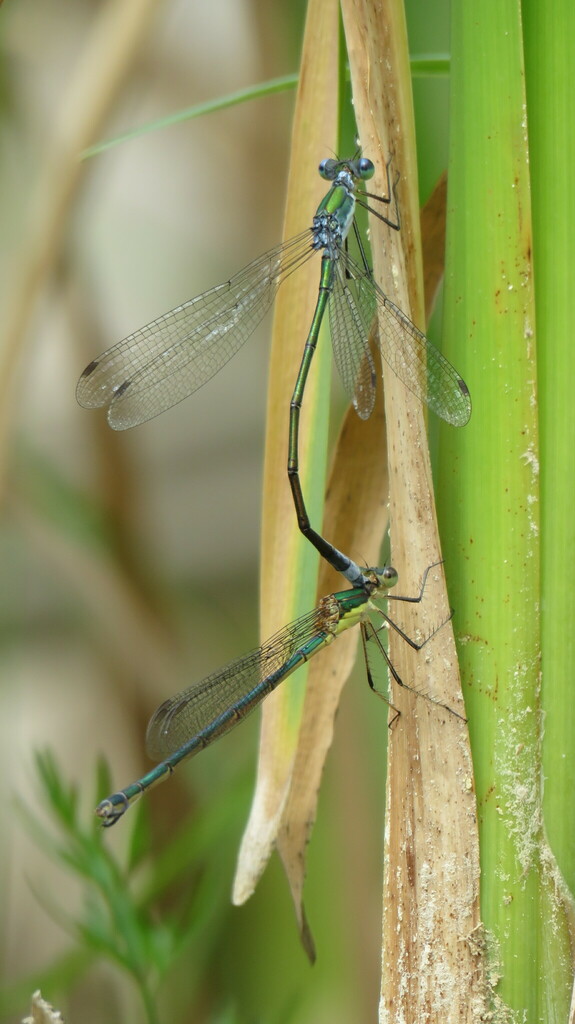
{"x": 190, "y": 721}
{"x": 170, "y": 358}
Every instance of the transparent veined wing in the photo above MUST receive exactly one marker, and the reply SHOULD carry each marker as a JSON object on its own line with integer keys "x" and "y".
{"x": 351, "y": 317}
{"x": 232, "y": 687}
{"x": 414, "y": 359}
{"x": 162, "y": 363}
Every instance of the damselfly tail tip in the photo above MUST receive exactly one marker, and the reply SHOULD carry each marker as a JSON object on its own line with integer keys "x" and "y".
{"x": 111, "y": 809}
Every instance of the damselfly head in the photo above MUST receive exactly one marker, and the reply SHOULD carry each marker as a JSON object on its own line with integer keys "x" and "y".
{"x": 385, "y": 577}
{"x": 362, "y": 168}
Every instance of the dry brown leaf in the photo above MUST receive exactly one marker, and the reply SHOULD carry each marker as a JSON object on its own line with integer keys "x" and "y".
{"x": 356, "y": 515}
{"x": 314, "y": 132}
{"x": 431, "y": 875}
{"x": 42, "y": 1012}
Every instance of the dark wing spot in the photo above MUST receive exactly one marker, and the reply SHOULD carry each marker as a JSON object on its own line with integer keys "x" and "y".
{"x": 122, "y": 388}
{"x": 90, "y": 368}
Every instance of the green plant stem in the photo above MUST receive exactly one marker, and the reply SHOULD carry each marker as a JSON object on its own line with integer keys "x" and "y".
{"x": 489, "y": 496}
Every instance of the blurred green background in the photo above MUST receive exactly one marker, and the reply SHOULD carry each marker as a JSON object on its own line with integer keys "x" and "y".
{"x": 130, "y": 562}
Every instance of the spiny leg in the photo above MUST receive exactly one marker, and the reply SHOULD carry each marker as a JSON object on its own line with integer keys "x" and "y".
{"x": 373, "y": 635}
{"x": 366, "y": 627}
{"x": 416, "y": 600}
{"x": 415, "y": 645}
{"x": 389, "y": 198}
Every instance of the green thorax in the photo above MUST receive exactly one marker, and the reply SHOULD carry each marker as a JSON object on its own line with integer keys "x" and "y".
{"x": 336, "y": 212}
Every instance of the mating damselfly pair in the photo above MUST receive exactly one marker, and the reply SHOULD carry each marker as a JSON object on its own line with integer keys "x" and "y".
{"x": 164, "y": 362}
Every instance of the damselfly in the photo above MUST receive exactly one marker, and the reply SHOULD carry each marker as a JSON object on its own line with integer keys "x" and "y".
{"x": 190, "y": 721}
{"x": 170, "y": 358}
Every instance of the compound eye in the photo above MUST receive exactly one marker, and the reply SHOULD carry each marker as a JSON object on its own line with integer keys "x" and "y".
{"x": 365, "y": 168}
{"x": 389, "y": 576}
{"x": 328, "y": 169}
